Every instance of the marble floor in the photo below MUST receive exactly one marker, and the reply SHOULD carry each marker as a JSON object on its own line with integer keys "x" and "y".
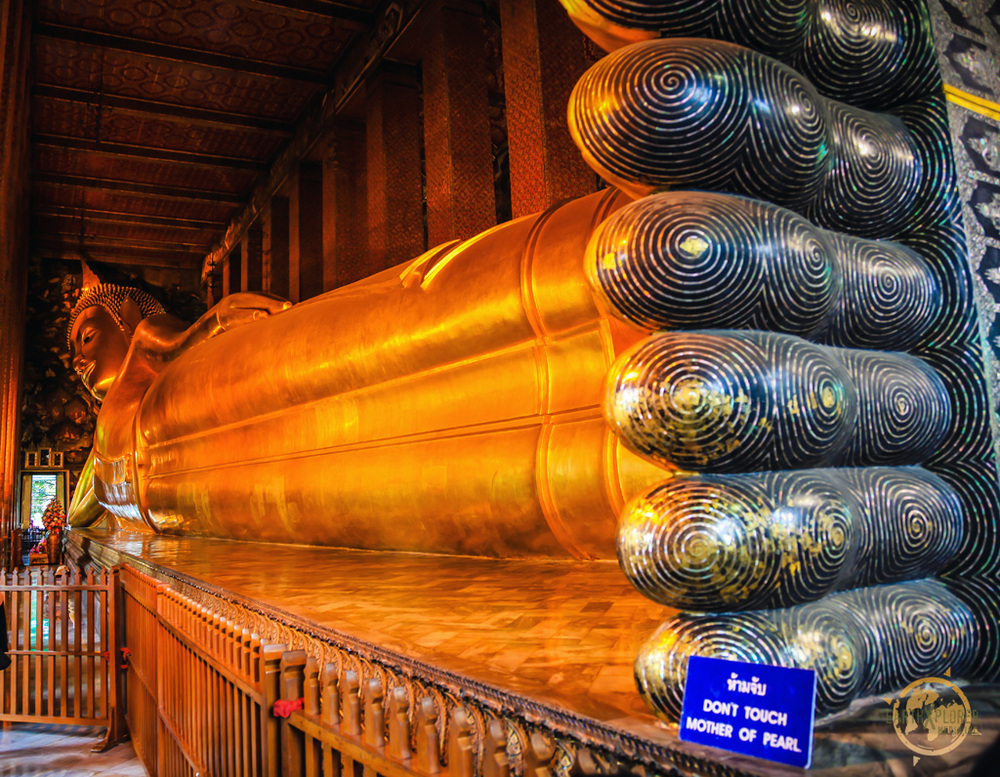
{"x": 38, "y": 750}
{"x": 560, "y": 634}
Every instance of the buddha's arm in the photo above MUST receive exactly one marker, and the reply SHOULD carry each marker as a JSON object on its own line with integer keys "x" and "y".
{"x": 84, "y": 508}
{"x": 160, "y": 339}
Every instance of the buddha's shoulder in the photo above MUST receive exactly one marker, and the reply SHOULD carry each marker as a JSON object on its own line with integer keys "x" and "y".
{"x": 114, "y": 431}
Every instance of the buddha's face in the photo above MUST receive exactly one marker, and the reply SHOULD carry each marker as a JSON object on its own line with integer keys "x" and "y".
{"x": 99, "y": 349}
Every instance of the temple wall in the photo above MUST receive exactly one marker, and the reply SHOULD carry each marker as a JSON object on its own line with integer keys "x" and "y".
{"x": 14, "y": 34}
{"x": 968, "y": 43}
{"x": 460, "y": 126}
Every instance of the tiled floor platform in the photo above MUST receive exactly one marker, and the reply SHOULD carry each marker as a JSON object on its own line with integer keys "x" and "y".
{"x": 37, "y": 750}
{"x": 561, "y": 635}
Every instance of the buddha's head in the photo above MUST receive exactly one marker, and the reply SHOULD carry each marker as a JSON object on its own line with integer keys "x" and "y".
{"x": 100, "y": 332}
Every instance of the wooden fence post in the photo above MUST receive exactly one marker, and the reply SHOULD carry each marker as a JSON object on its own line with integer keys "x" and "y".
{"x": 270, "y": 736}
{"x": 460, "y": 755}
{"x": 399, "y": 725}
{"x": 428, "y": 740}
{"x": 117, "y": 729}
{"x": 374, "y": 716}
{"x": 495, "y": 763}
{"x": 293, "y": 664}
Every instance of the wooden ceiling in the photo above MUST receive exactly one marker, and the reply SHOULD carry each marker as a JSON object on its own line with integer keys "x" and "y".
{"x": 152, "y": 120}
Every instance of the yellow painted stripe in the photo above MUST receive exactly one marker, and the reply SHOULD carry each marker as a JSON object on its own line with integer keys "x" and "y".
{"x": 971, "y": 102}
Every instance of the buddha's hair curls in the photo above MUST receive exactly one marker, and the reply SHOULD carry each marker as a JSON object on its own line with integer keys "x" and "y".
{"x": 111, "y": 296}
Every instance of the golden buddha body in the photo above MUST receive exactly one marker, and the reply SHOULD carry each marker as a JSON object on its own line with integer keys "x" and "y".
{"x": 773, "y": 384}
{"x": 483, "y": 434}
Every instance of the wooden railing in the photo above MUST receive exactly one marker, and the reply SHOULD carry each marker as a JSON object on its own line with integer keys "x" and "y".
{"x": 207, "y": 696}
{"x": 63, "y": 642}
{"x": 197, "y": 700}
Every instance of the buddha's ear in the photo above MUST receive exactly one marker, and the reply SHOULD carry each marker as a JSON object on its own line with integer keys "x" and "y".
{"x": 130, "y": 316}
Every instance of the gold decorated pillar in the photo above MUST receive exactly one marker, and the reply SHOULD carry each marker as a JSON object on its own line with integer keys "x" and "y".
{"x": 395, "y": 197}
{"x": 14, "y": 51}
{"x": 305, "y": 251}
{"x": 460, "y": 198}
{"x": 274, "y": 241}
{"x": 543, "y": 56}
{"x": 345, "y": 215}
{"x": 213, "y": 288}
{"x": 232, "y": 271}
{"x": 252, "y": 271}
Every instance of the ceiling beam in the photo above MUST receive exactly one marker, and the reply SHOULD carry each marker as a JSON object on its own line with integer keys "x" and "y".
{"x": 317, "y": 119}
{"x": 146, "y": 152}
{"x": 127, "y": 219}
{"x": 107, "y": 40}
{"x": 159, "y": 109}
{"x": 332, "y": 10}
{"x": 155, "y": 190}
{"x": 93, "y": 243}
{"x": 160, "y": 259}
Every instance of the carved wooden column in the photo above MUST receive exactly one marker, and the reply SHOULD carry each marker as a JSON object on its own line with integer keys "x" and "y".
{"x": 305, "y": 247}
{"x": 345, "y": 208}
{"x": 458, "y": 157}
{"x": 232, "y": 271}
{"x": 543, "y": 56}
{"x": 15, "y": 20}
{"x": 252, "y": 271}
{"x": 395, "y": 194}
{"x": 275, "y": 247}
{"x": 214, "y": 289}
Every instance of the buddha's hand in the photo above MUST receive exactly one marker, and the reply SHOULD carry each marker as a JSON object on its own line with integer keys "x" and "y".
{"x": 243, "y": 307}
{"x": 816, "y": 360}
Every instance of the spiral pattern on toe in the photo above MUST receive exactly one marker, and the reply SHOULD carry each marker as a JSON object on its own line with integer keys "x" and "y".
{"x": 906, "y": 411}
{"x": 788, "y": 149}
{"x": 874, "y": 177}
{"x": 730, "y": 402}
{"x": 914, "y": 629}
{"x": 869, "y": 52}
{"x": 640, "y": 110}
{"x": 661, "y": 664}
{"x": 866, "y": 641}
{"x": 644, "y": 115}
{"x": 912, "y": 523}
{"x": 775, "y": 539}
{"x": 981, "y": 595}
{"x": 890, "y": 296}
{"x": 717, "y": 543}
{"x": 686, "y": 260}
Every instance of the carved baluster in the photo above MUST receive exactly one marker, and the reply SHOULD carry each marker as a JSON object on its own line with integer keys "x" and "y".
{"x": 399, "y": 724}
{"x": 537, "y": 756}
{"x": 204, "y": 618}
{"x": 256, "y": 646}
{"x": 460, "y": 755}
{"x": 245, "y": 654}
{"x": 351, "y": 723}
{"x": 331, "y": 697}
{"x": 233, "y": 645}
{"x": 428, "y": 741}
{"x": 495, "y": 763}
{"x": 217, "y": 641}
{"x": 293, "y": 664}
{"x": 310, "y": 706}
{"x": 374, "y": 715}
{"x": 271, "y": 681}
{"x": 310, "y": 691}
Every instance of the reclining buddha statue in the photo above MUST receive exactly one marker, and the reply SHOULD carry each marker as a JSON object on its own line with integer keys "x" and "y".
{"x": 750, "y": 369}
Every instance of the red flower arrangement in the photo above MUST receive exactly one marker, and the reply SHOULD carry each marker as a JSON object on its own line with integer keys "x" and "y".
{"x": 54, "y": 520}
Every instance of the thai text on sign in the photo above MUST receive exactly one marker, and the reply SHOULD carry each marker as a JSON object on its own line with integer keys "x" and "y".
{"x": 754, "y": 709}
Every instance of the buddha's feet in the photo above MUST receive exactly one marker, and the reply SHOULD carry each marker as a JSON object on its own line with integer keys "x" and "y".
{"x": 817, "y": 366}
